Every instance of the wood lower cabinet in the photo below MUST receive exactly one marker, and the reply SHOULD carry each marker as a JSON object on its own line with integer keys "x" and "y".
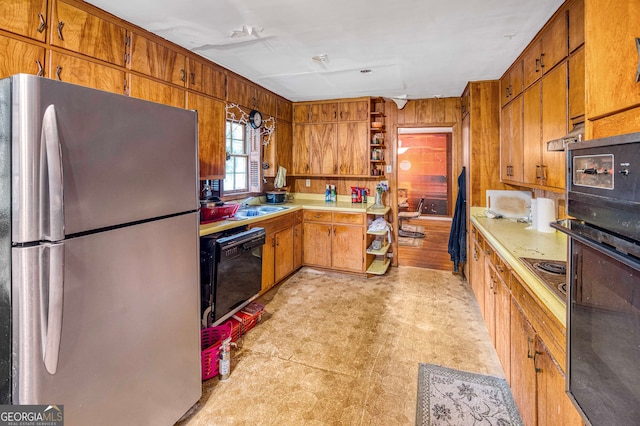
{"x": 83, "y": 32}
{"x": 86, "y": 73}
{"x": 211, "y": 135}
{"x": 278, "y": 251}
{"x": 523, "y": 373}
{"x": 154, "y": 91}
{"x": 477, "y": 276}
{"x": 21, "y": 57}
{"x": 26, "y": 18}
{"x": 297, "y": 239}
{"x": 334, "y": 240}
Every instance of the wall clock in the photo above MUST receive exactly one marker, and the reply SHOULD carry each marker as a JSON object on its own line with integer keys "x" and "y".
{"x": 255, "y": 119}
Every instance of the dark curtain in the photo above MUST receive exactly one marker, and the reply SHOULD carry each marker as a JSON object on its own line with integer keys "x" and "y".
{"x": 458, "y": 236}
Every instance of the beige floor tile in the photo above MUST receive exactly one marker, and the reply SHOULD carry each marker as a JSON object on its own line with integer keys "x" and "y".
{"x": 335, "y": 349}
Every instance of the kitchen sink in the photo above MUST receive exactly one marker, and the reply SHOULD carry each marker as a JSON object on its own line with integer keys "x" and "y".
{"x": 251, "y": 211}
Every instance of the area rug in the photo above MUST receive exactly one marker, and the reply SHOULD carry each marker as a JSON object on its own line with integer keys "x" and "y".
{"x": 454, "y": 397}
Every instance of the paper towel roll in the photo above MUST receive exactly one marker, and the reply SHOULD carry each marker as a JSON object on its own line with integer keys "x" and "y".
{"x": 534, "y": 214}
{"x": 546, "y": 213}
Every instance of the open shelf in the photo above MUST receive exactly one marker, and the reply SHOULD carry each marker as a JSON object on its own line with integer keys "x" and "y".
{"x": 379, "y": 266}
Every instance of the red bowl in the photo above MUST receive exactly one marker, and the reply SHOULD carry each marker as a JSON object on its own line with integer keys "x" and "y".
{"x": 209, "y": 213}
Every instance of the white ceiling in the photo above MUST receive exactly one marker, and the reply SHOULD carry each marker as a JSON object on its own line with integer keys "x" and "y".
{"x": 414, "y": 48}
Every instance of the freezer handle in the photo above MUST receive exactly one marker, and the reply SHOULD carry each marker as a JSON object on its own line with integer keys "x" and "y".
{"x": 51, "y": 179}
{"x": 53, "y": 324}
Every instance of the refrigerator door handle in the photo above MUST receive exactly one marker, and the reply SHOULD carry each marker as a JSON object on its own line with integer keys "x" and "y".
{"x": 53, "y": 317}
{"x": 51, "y": 181}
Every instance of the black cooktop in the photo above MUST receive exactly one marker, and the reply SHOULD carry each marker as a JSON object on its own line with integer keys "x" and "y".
{"x": 551, "y": 272}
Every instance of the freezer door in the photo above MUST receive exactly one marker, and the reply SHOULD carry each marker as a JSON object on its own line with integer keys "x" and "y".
{"x": 118, "y": 333}
{"x": 85, "y": 159}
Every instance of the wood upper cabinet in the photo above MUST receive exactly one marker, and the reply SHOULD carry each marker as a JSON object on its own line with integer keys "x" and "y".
{"x": 531, "y": 69}
{"x": 84, "y": 72}
{"x": 324, "y": 112}
{"x": 284, "y": 110}
{"x": 20, "y": 57}
{"x": 576, "y": 25}
{"x": 278, "y": 151}
{"x": 531, "y": 134}
{"x": 25, "y": 17}
{"x": 576, "y": 84}
{"x": 154, "y": 91}
{"x": 206, "y": 79}
{"x": 353, "y": 111}
{"x": 300, "y": 149}
{"x": 611, "y": 29}
{"x": 157, "y": 60}
{"x": 245, "y": 93}
{"x": 353, "y": 154}
{"x": 211, "y": 135}
{"x": 511, "y": 83}
{"x": 554, "y": 42}
{"x": 554, "y": 126}
{"x": 80, "y": 31}
{"x": 511, "y": 144}
{"x": 323, "y": 149}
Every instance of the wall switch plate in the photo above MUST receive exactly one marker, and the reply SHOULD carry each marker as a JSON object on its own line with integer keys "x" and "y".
{"x": 388, "y": 168}
{"x": 307, "y": 182}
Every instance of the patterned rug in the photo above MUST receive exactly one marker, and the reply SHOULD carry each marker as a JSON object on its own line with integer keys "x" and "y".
{"x": 454, "y": 397}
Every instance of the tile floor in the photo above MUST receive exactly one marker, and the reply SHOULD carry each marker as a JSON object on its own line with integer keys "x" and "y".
{"x": 334, "y": 349}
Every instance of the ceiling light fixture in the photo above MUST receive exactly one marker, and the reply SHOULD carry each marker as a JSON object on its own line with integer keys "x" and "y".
{"x": 366, "y": 71}
{"x": 320, "y": 58}
{"x": 247, "y": 30}
{"x": 509, "y": 35}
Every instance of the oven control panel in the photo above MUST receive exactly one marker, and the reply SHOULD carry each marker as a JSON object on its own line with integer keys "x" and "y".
{"x": 595, "y": 171}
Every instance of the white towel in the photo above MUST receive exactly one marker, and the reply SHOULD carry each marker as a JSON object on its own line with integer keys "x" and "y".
{"x": 281, "y": 178}
{"x": 380, "y": 224}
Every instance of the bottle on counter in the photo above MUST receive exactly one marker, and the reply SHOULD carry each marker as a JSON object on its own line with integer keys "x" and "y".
{"x": 334, "y": 194}
{"x": 327, "y": 194}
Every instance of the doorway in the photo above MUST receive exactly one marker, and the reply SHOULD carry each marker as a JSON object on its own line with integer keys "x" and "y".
{"x": 424, "y": 165}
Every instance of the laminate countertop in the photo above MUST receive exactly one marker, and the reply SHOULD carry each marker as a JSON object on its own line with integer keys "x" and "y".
{"x": 512, "y": 240}
{"x": 299, "y": 201}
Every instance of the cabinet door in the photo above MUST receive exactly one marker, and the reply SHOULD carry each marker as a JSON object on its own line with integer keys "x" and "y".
{"x": 297, "y": 246}
{"x": 20, "y": 57}
{"x": 531, "y": 70}
{"x": 554, "y": 43}
{"x": 523, "y": 373}
{"x": 576, "y": 84}
{"x": 278, "y": 151}
{"x": 489, "y": 313}
{"x": 26, "y": 17}
{"x": 284, "y": 110}
{"x": 154, "y": 91}
{"x": 240, "y": 92}
{"x": 77, "y": 30}
{"x": 511, "y": 83}
{"x": 511, "y": 146}
{"x": 86, "y": 73}
{"x": 205, "y": 79}
{"x": 316, "y": 239}
{"x": 503, "y": 326}
{"x": 347, "y": 248}
{"x": 268, "y": 262}
{"x": 576, "y": 25}
{"x": 211, "y": 135}
{"x": 477, "y": 274}
{"x": 353, "y": 148}
{"x": 284, "y": 254}
{"x": 302, "y": 113}
{"x": 323, "y": 153}
{"x": 554, "y": 125}
{"x": 353, "y": 111}
{"x": 266, "y": 102}
{"x": 531, "y": 134}
{"x": 324, "y": 112}
{"x": 156, "y": 60}
{"x": 611, "y": 28}
{"x": 300, "y": 149}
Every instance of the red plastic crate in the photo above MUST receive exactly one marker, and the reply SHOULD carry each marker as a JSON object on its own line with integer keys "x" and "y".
{"x": 211, "y": 339}
{"x": 245, "y": 319}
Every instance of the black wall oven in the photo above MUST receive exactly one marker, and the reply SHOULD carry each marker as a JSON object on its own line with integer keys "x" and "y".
{"x": 603, "y": 311}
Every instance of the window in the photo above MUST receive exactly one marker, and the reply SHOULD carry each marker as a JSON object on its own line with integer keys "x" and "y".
{"x": 237, "y": 168}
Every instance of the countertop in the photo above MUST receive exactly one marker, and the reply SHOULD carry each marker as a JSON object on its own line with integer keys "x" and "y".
{"x": 299, "y": 201}
{"x": 513, "y": 240}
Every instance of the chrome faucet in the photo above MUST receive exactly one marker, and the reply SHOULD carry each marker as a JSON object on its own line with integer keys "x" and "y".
{"x": 245, "y": 202}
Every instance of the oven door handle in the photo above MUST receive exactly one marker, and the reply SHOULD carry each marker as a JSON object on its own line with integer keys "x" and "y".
{"x": 606, "y": 249}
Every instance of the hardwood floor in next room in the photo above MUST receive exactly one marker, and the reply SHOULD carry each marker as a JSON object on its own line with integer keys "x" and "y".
{"x": 334, "y": 349}
{"x": 431, "y": 251}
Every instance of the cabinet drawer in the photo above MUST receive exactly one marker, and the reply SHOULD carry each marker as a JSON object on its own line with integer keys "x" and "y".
{"x": 275, "y": 224}
{"x": 350, "y": 218}
{"x": 502, "y": 269}
{"x": 317, "y": 216}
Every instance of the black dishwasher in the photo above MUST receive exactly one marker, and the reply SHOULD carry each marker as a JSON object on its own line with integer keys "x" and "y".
{"x": 230, "y": 272}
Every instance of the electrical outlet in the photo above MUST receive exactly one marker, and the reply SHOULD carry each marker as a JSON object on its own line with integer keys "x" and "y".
{"x": 307, "y": 182}
{"x": 388, "y": 170}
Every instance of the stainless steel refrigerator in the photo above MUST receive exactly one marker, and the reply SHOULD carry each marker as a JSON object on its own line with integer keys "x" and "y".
{"x": 99, "y": 280}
